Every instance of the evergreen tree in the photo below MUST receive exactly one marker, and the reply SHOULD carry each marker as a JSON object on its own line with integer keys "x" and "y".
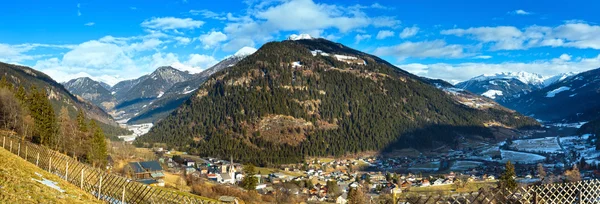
{"x": 81, "y": 123}
{"x": 97, "y": 152}
{"x": 45, "y": 128}
{"x": 507, "y": 180}
{"x": 250, "y": 181}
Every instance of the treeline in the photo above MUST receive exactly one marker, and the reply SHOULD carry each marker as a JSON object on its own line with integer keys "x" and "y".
{"x": 360, "y": 108}
{"x": 30, "y": 114}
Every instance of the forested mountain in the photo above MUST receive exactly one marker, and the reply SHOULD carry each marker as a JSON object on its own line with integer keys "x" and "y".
{"x": 58, "y": 96}
{"x": 313, "y": 97}
{"x": 574, "y": 99}
{"x": 180, "y": 92}
{"x": 93, "y": 91}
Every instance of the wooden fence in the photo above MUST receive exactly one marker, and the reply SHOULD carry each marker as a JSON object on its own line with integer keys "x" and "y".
{"x": 104, "y": 186}
{"x": 581, "y": 192}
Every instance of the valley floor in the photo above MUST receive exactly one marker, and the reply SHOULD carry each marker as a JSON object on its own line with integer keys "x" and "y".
{"x": 23, "y": 182}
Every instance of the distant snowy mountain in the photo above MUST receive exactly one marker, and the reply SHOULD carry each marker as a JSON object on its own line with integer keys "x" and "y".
{"x": 572, "y": 98}
{"x": 506, "y": 86}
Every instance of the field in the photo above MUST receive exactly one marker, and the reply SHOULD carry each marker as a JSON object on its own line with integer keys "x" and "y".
{"x": 546, "y": 145}
{"x": 521, "y": 157}
{"x": 431, "y": 166}
{"x": 17, "y": 184}
{"x": 465, "y": 165}
{"x": 447, "y": 189}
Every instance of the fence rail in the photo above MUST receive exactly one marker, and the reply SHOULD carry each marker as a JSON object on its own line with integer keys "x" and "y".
{"x": 104, "y": 186}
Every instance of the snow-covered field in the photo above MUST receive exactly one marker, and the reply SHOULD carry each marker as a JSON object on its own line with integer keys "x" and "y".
{"x": 571, "y": 125}
{"x": 546, "y": 145}
{"x": 465, "y": 165}
{"x": 138, "y": 130}
{"x": 521, "y": 157}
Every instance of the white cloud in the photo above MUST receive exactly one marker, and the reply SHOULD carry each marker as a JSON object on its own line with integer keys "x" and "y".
{"x": 384, "y": 34}
{"x": 268, "y": 18}
{"x": 208, "y": 14}
{"x": 520, "y": 12}
{"x": 171, "y": 23}
{"x": 182, "y": 40}
{"x": 212, "y": 39}
{"x": 89, "y": 24}
{"x": 483, "y": 57}
{"x": 565, "y": 57}
{"x": 78, "y": 11}
{"x": 360, "y": 37}
{"x": 409, "y": 32}
{"x": 196, "y": 63}
{"x": 464, "y": 71}
{"x": 424, "y": 49}
{"x": 20, "y": 52}
{"x": 572, "y": 34}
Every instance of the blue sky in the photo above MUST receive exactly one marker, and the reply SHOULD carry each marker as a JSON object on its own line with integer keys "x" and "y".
{"x": 452, "y": 40}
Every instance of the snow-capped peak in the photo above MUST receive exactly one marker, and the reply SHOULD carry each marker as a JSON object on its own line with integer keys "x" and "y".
{"x": 300, "y": 37}
{"x": 525, "y": 77}
{"x": 245, "y": 51}
{"x": 558, "y": 78}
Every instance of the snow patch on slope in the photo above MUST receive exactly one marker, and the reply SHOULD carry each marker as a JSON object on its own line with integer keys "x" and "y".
{"x": 492, "y": 93}
{"x": 553, "y": 93}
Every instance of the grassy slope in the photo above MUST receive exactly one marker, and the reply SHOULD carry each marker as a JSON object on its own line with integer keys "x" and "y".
{"x": 17, "y": 186}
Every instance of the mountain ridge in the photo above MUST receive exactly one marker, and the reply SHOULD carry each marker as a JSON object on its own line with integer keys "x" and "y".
{"x": 315, "y": 98}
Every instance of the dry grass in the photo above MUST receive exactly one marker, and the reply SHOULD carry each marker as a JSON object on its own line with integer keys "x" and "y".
{"x": 17, "y": 186}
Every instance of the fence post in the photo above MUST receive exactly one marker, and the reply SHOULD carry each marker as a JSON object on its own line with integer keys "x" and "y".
{"x": 37, "y": 160}
{"x": 580, "y": 196}
{"x": 123, "y": 198}
{"x": 67, "y": 172}
{"x": 50, "y": 165}
{"x": 100, "y": 187}
{"x": 26, "y": 153}
{"x": 81, "y": 183}
{"x": 10, "y": 146}
{"x": 19, "y": 150}
{"x": 3, "y": 140}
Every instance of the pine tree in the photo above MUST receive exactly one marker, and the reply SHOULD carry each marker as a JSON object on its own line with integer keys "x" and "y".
{"x": 97, "y": 154}
{"x": 81, "y": 124}
{"x": 507, "y": 180}
{"x": 250, "y": 181}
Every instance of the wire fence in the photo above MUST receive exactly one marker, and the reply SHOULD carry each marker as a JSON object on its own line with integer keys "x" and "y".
{"x": 581, "y": 192}
{"x": 104, "y": 186}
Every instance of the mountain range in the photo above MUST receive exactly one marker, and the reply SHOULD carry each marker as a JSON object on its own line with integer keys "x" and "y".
{"x": 151, "y": 97}
{"x": 313, "y": 97}
{"x": 507, "y": 86}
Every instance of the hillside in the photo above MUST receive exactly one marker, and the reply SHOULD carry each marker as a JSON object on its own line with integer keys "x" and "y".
{"x": 574, "y": 99}
{"x": 58, "y": 95}
{"x": 17, "y": 184}
{"x": 285, "y": 102}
